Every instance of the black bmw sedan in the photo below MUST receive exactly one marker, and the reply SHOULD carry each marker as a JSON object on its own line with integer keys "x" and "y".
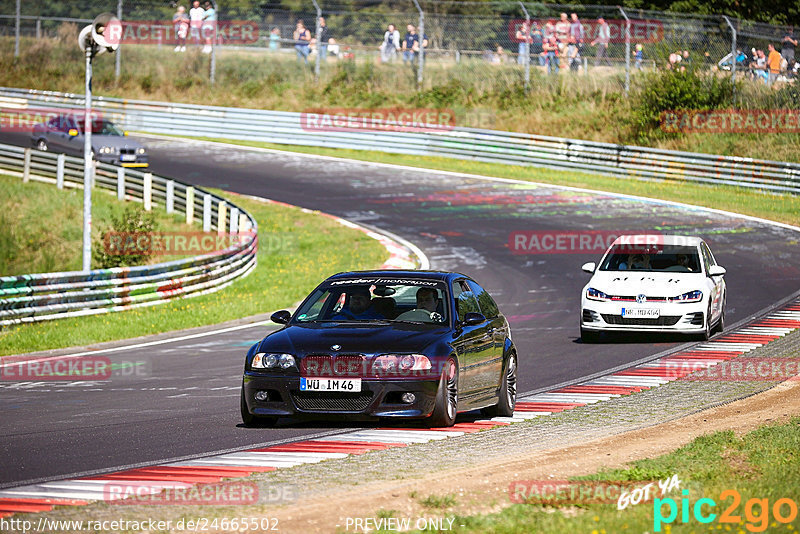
{"x": 404, "y": 344}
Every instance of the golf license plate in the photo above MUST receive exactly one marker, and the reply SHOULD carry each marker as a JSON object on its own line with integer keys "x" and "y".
{"x": 641, "y": 313}
{"x": 330, "y": 384}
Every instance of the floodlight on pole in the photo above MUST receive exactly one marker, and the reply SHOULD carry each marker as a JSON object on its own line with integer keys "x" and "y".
{"x": 103, "y": 34}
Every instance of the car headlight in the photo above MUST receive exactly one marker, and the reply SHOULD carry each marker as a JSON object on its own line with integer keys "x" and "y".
{"x": 106, "y": 150}
{"x": 400, "y": 364}
{"x": 596, "y": 294}
{"x": 691, "y": 296}
{"x": 272, "y": 361}
{"x": 140, "y": 150}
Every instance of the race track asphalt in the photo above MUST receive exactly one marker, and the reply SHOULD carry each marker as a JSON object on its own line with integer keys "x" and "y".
{"x": 180, "y": 398}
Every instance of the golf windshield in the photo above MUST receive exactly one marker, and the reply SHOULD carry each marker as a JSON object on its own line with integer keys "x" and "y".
{"x": 669, "y": 258}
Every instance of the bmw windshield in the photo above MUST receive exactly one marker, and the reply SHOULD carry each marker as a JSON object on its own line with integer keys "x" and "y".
{"x": 376, "y": 300}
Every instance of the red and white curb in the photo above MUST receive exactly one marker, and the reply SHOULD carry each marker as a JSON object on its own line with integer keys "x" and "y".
{"x": 213, "y": 469}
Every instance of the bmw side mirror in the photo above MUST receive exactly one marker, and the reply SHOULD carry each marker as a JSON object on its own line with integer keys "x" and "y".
{"x": 716, "y": 270}
{"x": 588, "y": 267}
{"x": 473, "y": 318}
{"x": 281, "y": 317}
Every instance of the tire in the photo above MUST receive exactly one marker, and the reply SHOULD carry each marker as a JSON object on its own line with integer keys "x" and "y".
{"x": 254, "y": 421}
{"x": 446, "y": 406}
{"x": 720, "y": 327}
{"x": 41, "y": 144}
{"x": 508, "y": 391}
{"x": 589, "y": 336}
{"x": 706, "y": 335}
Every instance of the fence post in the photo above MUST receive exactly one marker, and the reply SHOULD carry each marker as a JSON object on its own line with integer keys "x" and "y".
{"x": 212, "y": 67}
{"x": 60, "y": 170}
{"x": 318, "y": 34}
{"x": 207, "y": 212}
{"x": 26, "y": 166}
{"x": 421, "y": 32}
{"x": 527, "y": 60}
{"x": 627, "y": 49}
{"x": 170, "y": 196}
{"x": 121, "y": 183}
{"x": 234, "y": 225}
{"x": 38, "y": 28}
{"x": 189, "y": 205}
{"x": 733, "y": 56}
{"x": 147, "y": 191}
{"x": 118, "y": 55}
{"x": 16, "y": 30}
{"x": 222, "y": 212}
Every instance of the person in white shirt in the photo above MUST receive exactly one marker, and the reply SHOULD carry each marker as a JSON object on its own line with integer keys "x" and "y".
{"x": 391, "y": 44}
{"x": 196, "y": 15}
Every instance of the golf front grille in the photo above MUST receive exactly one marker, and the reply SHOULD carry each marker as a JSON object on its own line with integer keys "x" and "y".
{"x": 664, "y": 320}
{"x": 332, "y": 401}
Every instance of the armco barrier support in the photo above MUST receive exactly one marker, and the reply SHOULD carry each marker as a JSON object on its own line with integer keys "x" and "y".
{"x": 462, "y": 143}
{"x": 40, "y": 297}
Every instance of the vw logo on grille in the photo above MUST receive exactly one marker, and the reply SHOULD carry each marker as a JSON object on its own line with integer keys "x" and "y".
{"x": 641, "y": 298}
{"x": 336, "y": 347}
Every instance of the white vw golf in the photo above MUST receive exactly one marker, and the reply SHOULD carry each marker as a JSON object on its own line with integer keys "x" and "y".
{"x": 654, "y": 283}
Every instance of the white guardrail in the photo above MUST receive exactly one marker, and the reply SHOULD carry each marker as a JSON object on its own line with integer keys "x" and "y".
{"x": 40, "y": 297}
{"x": 463, "y": 143}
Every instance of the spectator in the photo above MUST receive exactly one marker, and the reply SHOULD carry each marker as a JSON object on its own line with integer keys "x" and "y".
{"x": 774, "y": 60}
{"x": 562, "y": 31}
{"x": 638, "y": 56}
{"x": 551, "y": 55}
{"x": 181, "y": 21}
{"x": 549, "y": 31}
{"x": 537, "y": 38}
{"x": 390, "y": 45}
{"x": 274, "y": 39}
{"x": 789, "y": 44}
{"x": 760, "y": 66}
{"x": 674, "y": 59}
{"x": 603, "y": 38}
{"x": 576, "y": 30}
{"x": 499, "y": 56}
{"x": 196, "y": 15}
{"x": 686, "y": 61}
{"x": 209, "y": 26}
{"x": 324, "y": 39}
{"x": 302, "y": 38}
{"x": 524, "y": 40}
{"x": 411, "y": 44}
{"x": 573, "y": 54}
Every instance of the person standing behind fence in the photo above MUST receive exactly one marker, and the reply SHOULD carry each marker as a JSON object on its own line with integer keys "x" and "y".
{"x": 638, "y": 56}
{"x": 787, "y": 50}
{"x": 209, "y": 26}
{"x": 324, "y": 38}
{"x": 302, "y": 38}
{"x": 411, "y": 44}
{"x": 537, "y": 40}
{"x": 181, "y": 22}
{"x": 524, "y": 40}
{"x": 274, "y": 39}
{"x": 603, "y": 38}
{"x": 551, "y": 55}
{"x": 773, "y": 63}
{"x": 196, "y": 15}
{"x": 390, "y": 45}
{"x": 576, "y": 31}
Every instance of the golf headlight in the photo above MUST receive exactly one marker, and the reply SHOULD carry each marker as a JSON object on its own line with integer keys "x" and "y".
{"x": 272, "y": 361}
{"x": 691, "y": 296}
{"x": 596, "y": 294}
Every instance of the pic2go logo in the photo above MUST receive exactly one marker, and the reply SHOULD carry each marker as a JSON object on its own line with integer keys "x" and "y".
{"x": 756, "y": 511}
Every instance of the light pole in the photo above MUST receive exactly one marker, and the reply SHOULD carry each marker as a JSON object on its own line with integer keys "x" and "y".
{"x": 104, "y": 33}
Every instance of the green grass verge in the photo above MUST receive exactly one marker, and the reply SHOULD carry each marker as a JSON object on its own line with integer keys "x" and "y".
{"x": 781, "y": 208}
{"x": 298, "y": 249}
{"x": 763, "y": 464}
{"x": 30, "y": 242}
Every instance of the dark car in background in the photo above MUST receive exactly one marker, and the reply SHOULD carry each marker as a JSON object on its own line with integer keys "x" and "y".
{"x": 389, "y": 344}
{"x": 64, "y": 133}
